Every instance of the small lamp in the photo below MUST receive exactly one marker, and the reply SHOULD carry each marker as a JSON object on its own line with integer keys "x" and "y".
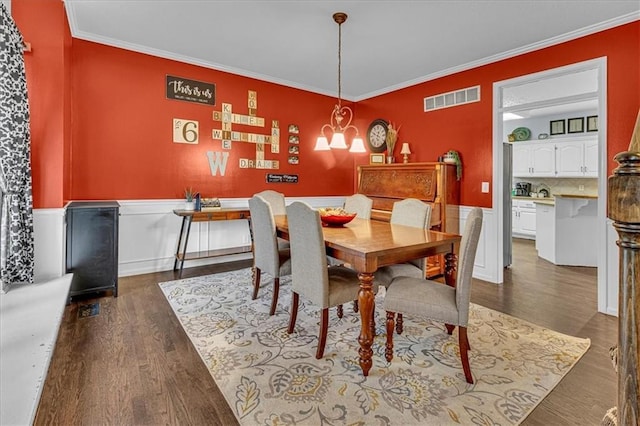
{"x": 405, "y": 151}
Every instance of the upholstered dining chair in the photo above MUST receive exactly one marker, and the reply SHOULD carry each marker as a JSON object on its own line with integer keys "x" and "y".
{"x": 323, "y": 285}
{"x": 278, "y": 207}
{"x": 408, "y": 212}
{"x": 437, "y": 301}
{"x": 359, "y": 204}
{"x": 267, "y": 257}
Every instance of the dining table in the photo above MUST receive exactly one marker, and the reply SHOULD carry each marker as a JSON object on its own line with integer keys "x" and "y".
{"x": 367, "y": 245}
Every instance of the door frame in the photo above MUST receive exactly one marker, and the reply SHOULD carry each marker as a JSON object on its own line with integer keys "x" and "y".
{"x": 599, "y": 64}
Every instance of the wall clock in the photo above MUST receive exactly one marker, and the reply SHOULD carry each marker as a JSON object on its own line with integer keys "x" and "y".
{"x": 377, "y": 135}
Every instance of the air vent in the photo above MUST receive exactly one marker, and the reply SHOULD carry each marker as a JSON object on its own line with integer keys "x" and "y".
{"x": 457, "y": 97}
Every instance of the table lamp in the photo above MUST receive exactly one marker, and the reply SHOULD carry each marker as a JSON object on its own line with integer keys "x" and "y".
{"x": 405, "y": 151}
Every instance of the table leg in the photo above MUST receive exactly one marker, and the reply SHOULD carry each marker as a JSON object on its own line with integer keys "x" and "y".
{"x": 186, "y": 242}
{"x": 450, "y": 265}
{"x": 175, "y": 262}
{"x": 366, "y": 306}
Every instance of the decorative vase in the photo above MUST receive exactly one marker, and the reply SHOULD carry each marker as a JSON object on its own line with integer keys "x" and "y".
{"x": 190, "y": 205}
{"x": 389, "y": 159}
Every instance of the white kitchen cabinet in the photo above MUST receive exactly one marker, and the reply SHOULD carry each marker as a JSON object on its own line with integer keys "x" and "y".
{"x": 577, "y": 158}
{"x": 523, "y": 219}
{"x": 534, "y": 159}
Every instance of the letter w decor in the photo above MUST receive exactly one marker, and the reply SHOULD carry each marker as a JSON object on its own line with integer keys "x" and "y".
{"x": 219, "y": 162}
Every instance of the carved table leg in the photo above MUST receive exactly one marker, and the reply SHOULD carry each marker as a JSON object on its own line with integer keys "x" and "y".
{"x": 366, "y": 305}
{"x": 450, "y": 265}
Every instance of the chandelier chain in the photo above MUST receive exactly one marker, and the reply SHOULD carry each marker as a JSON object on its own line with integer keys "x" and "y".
{"x": 339, "y": 63}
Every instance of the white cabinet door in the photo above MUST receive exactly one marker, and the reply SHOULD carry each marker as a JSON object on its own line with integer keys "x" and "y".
{"x": 523, "y": 219}
{"x": 591, "y": 158}
{"x": 543, "y": 159}
{"x": 570, "y": 159}
{"x": 521, "y": 160}
{"x": 528, "y": 221}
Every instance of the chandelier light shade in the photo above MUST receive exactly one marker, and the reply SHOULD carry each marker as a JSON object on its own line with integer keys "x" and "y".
{"x": 341, "y": 116}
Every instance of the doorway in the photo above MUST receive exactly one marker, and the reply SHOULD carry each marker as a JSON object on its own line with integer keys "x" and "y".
{"x": 556, "y": 89}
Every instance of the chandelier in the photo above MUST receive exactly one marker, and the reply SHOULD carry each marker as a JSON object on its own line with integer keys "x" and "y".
{"x": 340, "y": 113}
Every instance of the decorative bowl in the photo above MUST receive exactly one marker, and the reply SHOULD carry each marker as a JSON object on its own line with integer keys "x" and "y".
{"x": 335, "y": 217}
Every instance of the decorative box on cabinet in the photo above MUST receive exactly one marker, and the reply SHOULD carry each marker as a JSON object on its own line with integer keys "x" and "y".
{"x": 92, "y": 246}
{"x": 433, "y": 183}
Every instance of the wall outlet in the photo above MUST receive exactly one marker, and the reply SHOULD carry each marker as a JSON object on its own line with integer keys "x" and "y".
{"x": 580, "y": 187}
{"x": 485, "y": 187}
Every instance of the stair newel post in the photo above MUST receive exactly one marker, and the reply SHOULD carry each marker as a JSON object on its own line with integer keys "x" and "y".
{"x": 624, "y": 210}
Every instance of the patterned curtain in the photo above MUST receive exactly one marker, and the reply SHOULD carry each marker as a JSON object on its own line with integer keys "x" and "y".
{"x": 16, "y": 207}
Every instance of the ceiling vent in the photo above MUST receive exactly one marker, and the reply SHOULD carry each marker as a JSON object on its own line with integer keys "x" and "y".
{"x": 457, "y": 97}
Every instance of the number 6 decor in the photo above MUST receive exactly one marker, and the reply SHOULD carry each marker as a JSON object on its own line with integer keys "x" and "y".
{"x": 185, "y": 131}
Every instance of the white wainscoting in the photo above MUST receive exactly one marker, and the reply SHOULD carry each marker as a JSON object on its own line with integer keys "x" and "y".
{"x": 149, "y": 233}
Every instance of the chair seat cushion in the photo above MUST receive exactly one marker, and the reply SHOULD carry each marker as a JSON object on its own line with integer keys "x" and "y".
{"x": 284, "y": 257}
{"x": 343, "y": 285}
{"x": 424, "y": 298}
{"x": 386, "y": 274}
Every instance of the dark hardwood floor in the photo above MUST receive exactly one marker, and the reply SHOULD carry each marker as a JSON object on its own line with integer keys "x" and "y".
{"x": 133, "y": 364}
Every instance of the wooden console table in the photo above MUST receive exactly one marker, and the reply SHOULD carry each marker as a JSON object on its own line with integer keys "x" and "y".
{"x": 189, "y": 216}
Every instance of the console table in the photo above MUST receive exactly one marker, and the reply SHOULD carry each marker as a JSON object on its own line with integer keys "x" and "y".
{"x": 190, "y": 216}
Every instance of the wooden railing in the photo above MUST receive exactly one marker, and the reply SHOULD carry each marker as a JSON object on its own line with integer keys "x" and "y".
{"x": 624, "y": 210}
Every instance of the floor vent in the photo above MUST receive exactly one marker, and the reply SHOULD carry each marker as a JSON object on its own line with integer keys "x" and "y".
{"x": 457, "y": 97}
{"x": 90, "y": 310}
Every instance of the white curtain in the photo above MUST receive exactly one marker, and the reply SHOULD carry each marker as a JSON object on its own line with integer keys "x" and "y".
{"x": 16, "y": 204}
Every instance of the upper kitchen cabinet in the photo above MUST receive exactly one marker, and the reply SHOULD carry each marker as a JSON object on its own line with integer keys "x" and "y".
{"x": 574, "y": 157}
{"x": 577, "y": 158}
{"x": 534, "y": 159}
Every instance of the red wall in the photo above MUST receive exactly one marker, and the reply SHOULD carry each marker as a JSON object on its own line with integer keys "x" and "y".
{"x": 468, "y": 128}
{"x": 120, "y": 144}
{"x": 122, "y": 135}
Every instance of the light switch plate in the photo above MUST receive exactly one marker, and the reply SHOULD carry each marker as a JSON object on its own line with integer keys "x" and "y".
{"x": 485, "y": 187}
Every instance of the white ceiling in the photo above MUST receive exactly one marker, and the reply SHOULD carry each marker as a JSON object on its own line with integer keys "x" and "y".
{"x": 386, "y": 45}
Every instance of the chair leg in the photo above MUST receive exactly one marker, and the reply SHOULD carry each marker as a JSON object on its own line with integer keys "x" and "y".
{"x": 464, "y": 356}
{"x": 256, "y": 282}
{"x": 294, "y": 312}
{"x": 399, "y": 324}
{"x": 274, "y": 298}
{"x": 355, "y": 306}
{"x": 340, "y": 311}
{"x": 322, "y": 338}
{"x": 450, "y": 328}
{"x": 388, "y": 352}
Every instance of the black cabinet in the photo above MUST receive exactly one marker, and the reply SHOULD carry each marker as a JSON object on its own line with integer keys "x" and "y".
{"x": 92, "y": 246}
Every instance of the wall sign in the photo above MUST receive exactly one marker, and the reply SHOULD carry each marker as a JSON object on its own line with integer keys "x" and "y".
{"x": 278, "y": 178}
{"x": 187, "y": 90}
{"x": 185, "y": 131}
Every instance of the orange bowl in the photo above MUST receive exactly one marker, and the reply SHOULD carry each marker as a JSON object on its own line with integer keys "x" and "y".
{"x": 337, "y": 220}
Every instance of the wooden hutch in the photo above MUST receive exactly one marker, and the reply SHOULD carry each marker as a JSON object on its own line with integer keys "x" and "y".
{"x": 433, "y": 183}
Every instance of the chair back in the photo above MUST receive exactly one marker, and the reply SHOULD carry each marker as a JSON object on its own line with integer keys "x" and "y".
{"x": 359, "y": 204}
{"x": 466, "y": 259}
{"x": 263, "y": 228}
{"x": 309, "y": 273}
{"x": 275, "y": 200}
{"x": 415, "y": 213}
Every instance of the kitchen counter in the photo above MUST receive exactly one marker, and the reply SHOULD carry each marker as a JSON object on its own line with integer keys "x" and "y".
{"x": 548, "y": 201}
{"x": 565, "y": 230}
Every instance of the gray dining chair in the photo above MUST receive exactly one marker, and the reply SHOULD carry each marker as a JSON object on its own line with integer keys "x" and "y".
{"x": 359, "y": 204}
{"x": 278, "y": 207}
{"x": 437, "y": 301}
{"x": 408, "y": 212}
{"x": 323, "y": 285}
{"x": 267, "y": 257}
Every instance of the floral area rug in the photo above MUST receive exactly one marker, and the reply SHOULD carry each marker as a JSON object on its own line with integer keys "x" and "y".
{"x": 270, "y": 377}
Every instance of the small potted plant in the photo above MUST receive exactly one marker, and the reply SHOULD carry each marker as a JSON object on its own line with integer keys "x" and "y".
{"x": 453, "y": 157}
{"x": 189, "y": 195}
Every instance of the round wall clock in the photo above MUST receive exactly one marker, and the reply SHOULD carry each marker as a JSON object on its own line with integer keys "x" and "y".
{"x": 377, "y": 135}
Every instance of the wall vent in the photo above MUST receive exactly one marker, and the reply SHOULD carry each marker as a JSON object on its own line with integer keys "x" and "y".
{"x": 457, "y": 97}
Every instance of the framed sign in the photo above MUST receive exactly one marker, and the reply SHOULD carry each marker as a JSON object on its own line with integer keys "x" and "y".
{"x": 575, "y": 125}
{"x": 556, "y": 127}
{"x": 592, "y": 123}
{"x": 376, "y": 158}
{"x": 277, "y": 178}
{"x": 183, "y": 89}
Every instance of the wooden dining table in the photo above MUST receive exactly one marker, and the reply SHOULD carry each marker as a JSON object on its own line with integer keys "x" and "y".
{"x": 367, "y": 245}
